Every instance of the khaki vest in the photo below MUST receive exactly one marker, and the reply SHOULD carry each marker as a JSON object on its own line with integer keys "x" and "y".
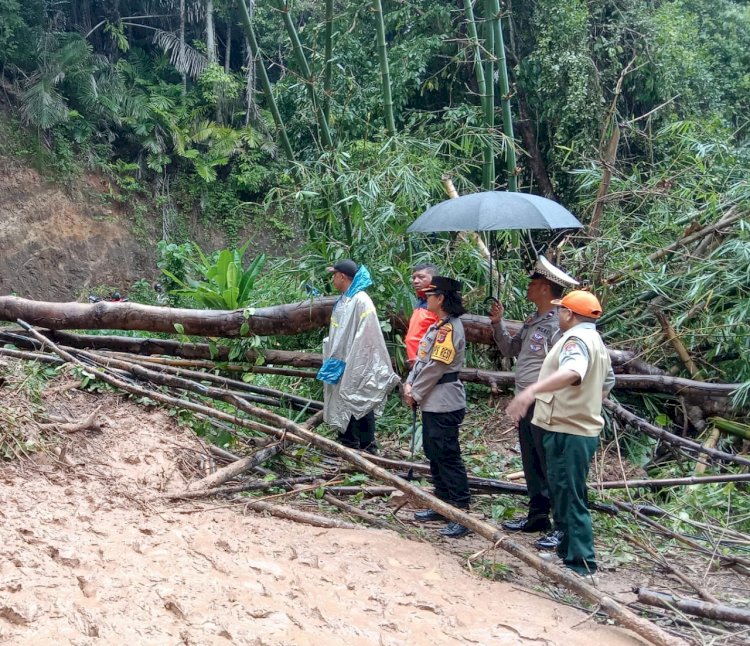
{"x": 575, "y": 410}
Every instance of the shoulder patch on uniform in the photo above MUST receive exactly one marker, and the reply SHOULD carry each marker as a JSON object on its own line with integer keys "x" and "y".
{"x": 443, "y": 349}
{"x": 570, "y": 345}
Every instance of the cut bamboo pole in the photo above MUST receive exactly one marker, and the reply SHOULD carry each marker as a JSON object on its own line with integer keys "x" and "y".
{"x": 704, "y": 609}
{"x": 305, "y": 517}
{"x": 676, "y": 343}
{"x": 710, "y": 443}
{"x": 235, "y": 469}
{"x": 731, "y": 216}
{"x": 359, "y": 513}
{"x": 670, "y": 438}
{"x": 664, "y": 563}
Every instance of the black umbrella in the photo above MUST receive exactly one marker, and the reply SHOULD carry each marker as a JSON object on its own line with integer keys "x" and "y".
{"x": 494, "y": 211}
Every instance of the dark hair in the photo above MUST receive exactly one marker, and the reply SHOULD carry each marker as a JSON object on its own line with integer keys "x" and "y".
{"x": 431, "y": 269}
{"x": 452, "y": 304}
{"x": 555, "y": 289}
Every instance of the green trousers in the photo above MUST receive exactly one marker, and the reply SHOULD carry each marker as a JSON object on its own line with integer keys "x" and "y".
{"x": 568, "y": 459}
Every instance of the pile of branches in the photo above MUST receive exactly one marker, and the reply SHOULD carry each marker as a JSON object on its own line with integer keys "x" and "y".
{"x": 192, "y": 384}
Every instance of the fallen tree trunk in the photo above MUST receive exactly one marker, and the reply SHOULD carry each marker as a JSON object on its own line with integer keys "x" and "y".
{"x": 285, "y": 319}
{"x": 200, "y": 355}
{"x": 264, "y": 321}
{"x": 704, "y": 609}
{"x": 294, "y": 432}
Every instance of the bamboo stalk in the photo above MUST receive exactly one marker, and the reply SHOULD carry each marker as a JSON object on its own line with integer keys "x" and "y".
{"x": 295, "y": 433}
{"x": 235, "y": 469}
{"x": 360, "y": 513}
{"x": 676, "y": 343}
{"x": 450, "y": 189}
{"x": 305, "y": 72}
{"x": 328, "y": 64}
{"x": 264, "y": 81}
{"x": 236, "y": 384}
{"x": 305, "y": 517}
{"x": 723, "y": 559}
{"x": 505, "y": 94}
{"x": 670, "y": 438}
{"x": 609, "y": 154}
{"x": 385, "y": 75}
{"x": 487, "y": 108}
{"x": 732, "y": 427}
{"x": 323, "y": 127}
{"x": 31, "y": 356}
{"x": 257, "y": 485}
{"x": 731, "y": 216}
{"x": 710, "y": 443}
{"x": 489, "y": 75}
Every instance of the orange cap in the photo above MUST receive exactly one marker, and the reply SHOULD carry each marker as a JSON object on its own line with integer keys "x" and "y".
{"x": 582, "y": 303}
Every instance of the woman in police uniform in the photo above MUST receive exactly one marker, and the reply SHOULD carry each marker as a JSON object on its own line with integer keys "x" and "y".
{"x": 433, "y": 385}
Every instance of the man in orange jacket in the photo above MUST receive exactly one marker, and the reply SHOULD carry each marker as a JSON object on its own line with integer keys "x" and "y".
{"x": 421, "y": 318}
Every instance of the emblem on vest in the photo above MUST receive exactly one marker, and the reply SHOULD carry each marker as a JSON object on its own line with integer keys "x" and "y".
{"x": 443, "y": 349}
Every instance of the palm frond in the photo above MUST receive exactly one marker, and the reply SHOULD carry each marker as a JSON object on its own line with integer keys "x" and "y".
{"x": 187, "y": 60}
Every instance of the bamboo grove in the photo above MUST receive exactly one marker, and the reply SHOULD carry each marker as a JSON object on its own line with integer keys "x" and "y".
{"x": 335, "y": 123}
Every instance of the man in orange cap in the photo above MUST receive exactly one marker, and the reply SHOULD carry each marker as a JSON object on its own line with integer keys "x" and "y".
{"x": 575, "y": 377}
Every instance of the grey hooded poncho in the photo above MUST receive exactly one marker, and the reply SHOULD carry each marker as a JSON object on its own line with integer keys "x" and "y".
{"x": 357, "y": 368}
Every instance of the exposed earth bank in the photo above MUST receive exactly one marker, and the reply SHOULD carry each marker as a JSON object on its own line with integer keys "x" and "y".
{"x": 90, "y": 554}
{"x": 56, "y": 247}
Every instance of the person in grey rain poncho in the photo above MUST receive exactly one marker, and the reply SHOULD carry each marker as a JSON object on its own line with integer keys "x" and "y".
{"x": 356, "y": 368}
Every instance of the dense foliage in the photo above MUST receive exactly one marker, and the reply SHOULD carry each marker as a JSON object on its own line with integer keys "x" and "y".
{"x": 646, "y": 99}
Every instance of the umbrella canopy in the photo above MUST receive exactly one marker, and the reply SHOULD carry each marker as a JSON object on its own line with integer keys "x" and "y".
{"x": 495, "y": 210}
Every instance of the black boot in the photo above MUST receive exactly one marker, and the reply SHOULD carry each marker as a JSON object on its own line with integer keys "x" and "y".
{"x": 427, "y": 514}
{"x": 454, "y": 530}
{"x": 371, "y": 448}
{"x": 533, "y": 524}
{"x": 549, "y": 542}
{"x": 347, "y": 440}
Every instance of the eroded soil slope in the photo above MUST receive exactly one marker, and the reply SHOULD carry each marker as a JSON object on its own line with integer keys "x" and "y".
{"x": 56, "y": 247}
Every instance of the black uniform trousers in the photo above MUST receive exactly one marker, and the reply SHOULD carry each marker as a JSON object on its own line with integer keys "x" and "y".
{"x": 534, "y": 466}
{"x": 359, "y": 433}
{"x": 440, "y": 443}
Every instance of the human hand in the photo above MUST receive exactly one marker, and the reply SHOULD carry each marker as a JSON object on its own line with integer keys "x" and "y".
{"x": 408, "y": 399}
{"x": 496, "y": 312}
{"x": 520, "y": 405}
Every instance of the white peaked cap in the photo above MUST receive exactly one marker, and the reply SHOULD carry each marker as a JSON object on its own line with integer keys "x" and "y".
{"x": 555, "y": 275}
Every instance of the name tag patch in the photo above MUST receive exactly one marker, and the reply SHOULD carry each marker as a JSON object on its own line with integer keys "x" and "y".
{"x": 443, "y": 350}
